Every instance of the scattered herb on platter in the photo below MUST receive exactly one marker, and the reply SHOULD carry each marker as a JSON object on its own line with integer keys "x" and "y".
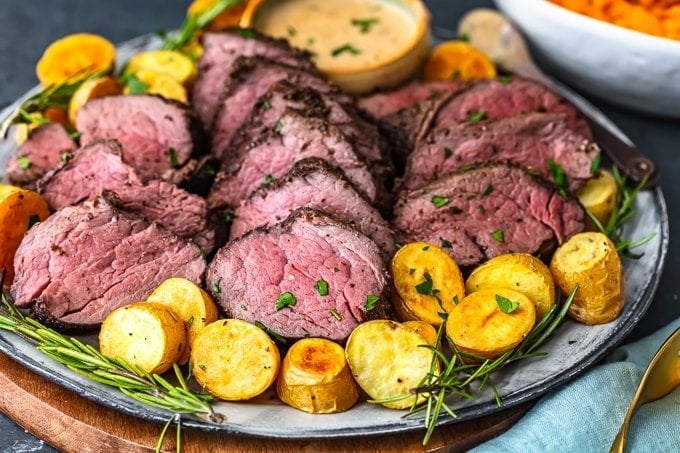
{"x": 365, "y": 24}
{"x": 476, "y": 117}
{"x": 453, "y": 372}
{"x": 559, "y": 177}
{"x": 371, "y": 300}
{"x": 506, "y": 305}
{"x": 134, "y": 85}
{"x": 623, "y": 211}
{"x": 498, "y": 235}
{"x": 286, "y": 299}
{"x": 439, "y": 201}
{"x": 347, "y": 48}
{"x": 321, "y": 287}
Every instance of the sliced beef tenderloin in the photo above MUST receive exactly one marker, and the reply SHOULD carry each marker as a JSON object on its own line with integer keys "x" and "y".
{"x": 324, "y": 269}
{"x": 99, "y": 168}
{"x": 367, "y": 139}
{"x": 157, "y": 135}
{"x": 220, "y": 52}
{"x": 39, "y": 154}
{"x": 85, "y": 261}
{"x": 313, "y": 183}
{"x": 530, "y": 141}
{"x": 488, "y": 211}
{"x": 251, "y": 79}
{"x": 295, "y": 137}
{"x": 385, "y": 103}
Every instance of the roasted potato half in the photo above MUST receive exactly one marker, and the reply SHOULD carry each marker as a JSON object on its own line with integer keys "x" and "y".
{"x": 599, "y": 197}
{"x": 388, "y": 360}
{"x": 520, "y": 272}
{"x": 169, "y": 62}
{"x": 193, "y": 305}
{"x": 425, "y": 329}
{"x": 234, "y": 360}
{"x": 315, "y": 378}
{"x": 490, "y": 322}
{"x": 423, "y": 275}
{"x": 144, "y": 334}
{"x": 590, "y": 260}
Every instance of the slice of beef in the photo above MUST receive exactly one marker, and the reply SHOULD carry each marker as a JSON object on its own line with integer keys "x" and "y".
{"x": 220, "y": 52}
{"x": 157, "y": 135}
{"x": 313, "y": 183}
{"x": 385, "y": 103}
{"x": 85, "y": 261}
{"x": 295, "y": 137}
{"x": 251, "y": 79}
{"x": 249, "y": 274}
{"x": 529, "y": 141}
{"x": 488, "y": 211}
{"x": 367, "y": 139}
{"x": 40, "y": 153}
{"x": 99, "y": 168}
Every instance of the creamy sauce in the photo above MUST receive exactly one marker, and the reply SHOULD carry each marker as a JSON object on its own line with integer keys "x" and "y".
{"x": 343, "y": 35}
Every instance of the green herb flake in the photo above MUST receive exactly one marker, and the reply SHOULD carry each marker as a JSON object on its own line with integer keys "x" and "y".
{"x": 334, "y": 313}
{"x": 268, "y": 180}
{"x": 286, "y": 299}
{"x": 481, "y": 209}
{"x": 476, "y": 117}
{"x": 229, "y": 217}
{"x": 75, "y": 135}
{"x": 572, "y": 341}
{"x": 347, "y": 48}
{"x": 371, "y": 300}
{"x": 32, "y": 220}
{"x": 464, "y": 37}
{"x": 445, "y": 244}
{"x": 174, "y": 158}
{"x": 505, "y": 80}
{"x": 506, "y": 305}
{"x": 266, "y": 105}
{"x": 278, "y": 127}
{"x": 411, "y": 271}
{"x": 365, "y": 24}
{"x": 487, "y": 191}
{"x": 456, "y": 300}
{"x": 397, "y": 245}
{"x": 426, "y": 286}
{"x": 456, "y": 75}
{"x": 24, "y": 162}
{"x": 65, "y": 157}
{"x": 321, "y": 287}
{"x": 292, "y": 32}
{"x": 439, "y": 201}
{"x": 596, "y": 163}
{"x": 558, "y": 174}
{"x": 447, "y": 153}
{"x": 426, "y": 248}
{"x": 134, "y": 85}
{"x": 311, "y": 40}
{"x": 246, "y": 33}
{"x": 190, "y": 321}
{"x": 498, "y": 235}
{"x": 217, "y": 286}
{"x": 203, "y": 367}
{"x": 270, "y": 332}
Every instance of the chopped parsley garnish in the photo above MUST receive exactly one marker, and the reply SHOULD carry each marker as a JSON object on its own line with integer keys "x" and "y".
{"x": 446, "y": 244}
{"x": 447, "y": 153}
{"x": 268, "y": 180}
{"x": 203, "y": 367}
{"x": 285, "y": 300}
{"x": 505, "y": 79}
{"x": 321, "y": 287}
{"x": 481, "y": 209}
{"x": 347, "y": 48}
{"x": 32, "y": 220}
{"x": 246, "y": 33}
{"x": 595, "y": 163}
{"x": 498, "y": 235}
{"x": 426, "y": 286}
{"x": 134, "y": 85}
{"x": 190, "y": 321}
{"x": 476, "y": 117}
{"x": 426, "y": 248}
{"x": 75, "y": 135}
{"x": 559, "y": 175}
{"x": 24, "y": 162}
{"x": 439, "y": 201}
{"x": 65, "y": 157}
{"x": 174, "y": 158}
{"x": 464, "y": 37}
{"x": 487, "y": 191}
{"x": 411, "y": 271}
{"x": 506, "y": 305}
{"x": 291, "y": 31}
{"x": 270, "y": 332}
{"x": 397, "y": 245}
{"x": 455, "y": 299}
{"x": 266, "y": 105}
{"x": 456, "y": 75}
{"x": 278, "y": 127}
{"x": 371, "y": 300}
{"x": 216, "y": 286}
{"x": 365, "y": 24}
{"x": 229, "y": 217}
{"x": 334, "y": 313}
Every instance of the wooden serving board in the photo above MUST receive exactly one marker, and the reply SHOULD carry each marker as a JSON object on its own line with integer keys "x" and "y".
{"x": 70, "y": 422}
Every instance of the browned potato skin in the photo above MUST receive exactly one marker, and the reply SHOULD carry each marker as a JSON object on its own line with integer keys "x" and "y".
{"x": 424, "y": 329}
{"x": 125, "y": 335}
{"x": 234, "y": 360}
{"x": 422, "y": 258}
{"x": 478, "y": 326}
{"x": 590, "y": 260}
{"x": 315, "y": 378}
{"x": 519, "y": 272}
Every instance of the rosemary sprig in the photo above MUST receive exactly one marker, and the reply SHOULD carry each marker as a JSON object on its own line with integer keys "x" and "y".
{"x": 194, "y": 23}
{"x": 455, "y": 373}
{"x": 53, "y": 96}
{"x": 624, "y": 210}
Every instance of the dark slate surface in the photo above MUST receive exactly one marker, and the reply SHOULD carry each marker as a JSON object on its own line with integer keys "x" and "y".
{"x": 27, "y": 27}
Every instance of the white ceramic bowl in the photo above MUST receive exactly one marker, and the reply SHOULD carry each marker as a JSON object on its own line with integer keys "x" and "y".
{"x": 625, "y": 67}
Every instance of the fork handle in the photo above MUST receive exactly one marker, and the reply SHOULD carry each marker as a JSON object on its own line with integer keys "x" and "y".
{"x": 619, "y": 444}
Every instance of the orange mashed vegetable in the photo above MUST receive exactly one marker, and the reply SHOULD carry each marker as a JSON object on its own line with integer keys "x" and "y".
{"x": 654, "y": 17}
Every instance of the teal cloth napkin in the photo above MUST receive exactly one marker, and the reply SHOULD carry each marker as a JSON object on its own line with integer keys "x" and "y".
{"x": 585, "y": 415}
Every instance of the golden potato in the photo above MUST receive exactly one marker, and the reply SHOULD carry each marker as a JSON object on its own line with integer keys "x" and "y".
{"x": 144, "y": 334}
{"x": 520, "y": 272}
{"x": 19, "y": 210}
{"x": 160, "y": 84}
{"x": 590, "y": 260}
{"x": 599, "y": 197}
{"x": 490, "y": 322}
{"x": 425, "y": 329}
{"x": 424, "y": 275}
{"x": 315, "y": 378}
{"x": 92, "y": 89}
{"x": 234, "y": 360}
{"x": 193, "y": 305}
{"x": 387, "y": 360}
{"x": 172, "y": 63}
